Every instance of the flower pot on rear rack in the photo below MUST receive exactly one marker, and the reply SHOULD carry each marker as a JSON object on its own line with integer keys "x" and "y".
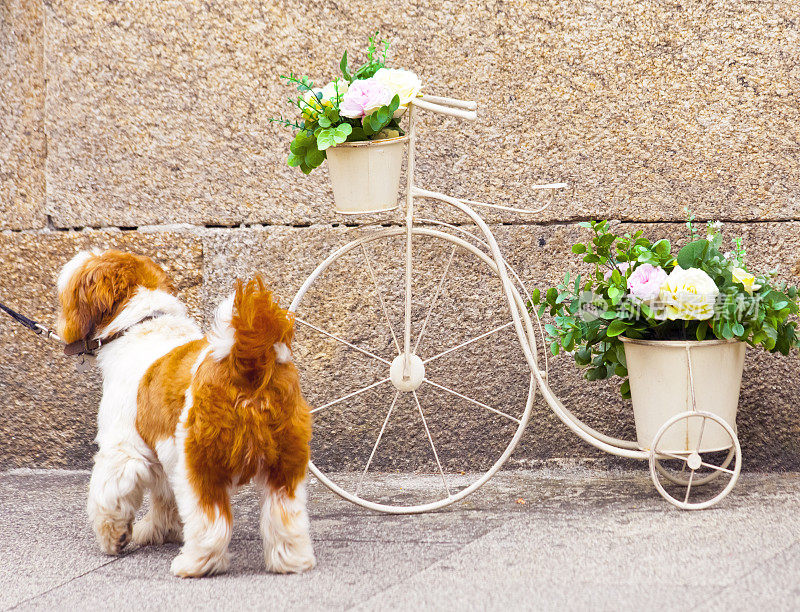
{"x": 365, "y": 176}
{"x": 661, "y": 387}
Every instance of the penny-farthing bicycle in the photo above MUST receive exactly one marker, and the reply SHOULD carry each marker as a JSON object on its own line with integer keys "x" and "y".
{"x": 400, "y": 342}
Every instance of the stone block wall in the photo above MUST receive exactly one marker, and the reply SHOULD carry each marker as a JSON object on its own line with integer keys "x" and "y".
{"x": 144, "y": 126}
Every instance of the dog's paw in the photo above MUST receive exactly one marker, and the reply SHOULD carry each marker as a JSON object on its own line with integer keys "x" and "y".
{"x": 187, "y": 565}
{"x": 113, "y": 535}
{"x": 146, "y": 532}
{"x": 283, "y": 559}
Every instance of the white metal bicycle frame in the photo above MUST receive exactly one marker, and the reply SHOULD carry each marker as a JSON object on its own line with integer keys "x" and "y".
{"x": 522, "y": 321}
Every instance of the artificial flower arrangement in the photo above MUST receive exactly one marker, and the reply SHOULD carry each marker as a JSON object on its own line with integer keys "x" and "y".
{"x": 364, "y": 104}
{"x": 639, "y": 289}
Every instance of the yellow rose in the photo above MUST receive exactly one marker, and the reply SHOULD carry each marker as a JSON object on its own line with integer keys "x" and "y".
{"x": 746, "y": 279}
{"x": 688, "y": 295}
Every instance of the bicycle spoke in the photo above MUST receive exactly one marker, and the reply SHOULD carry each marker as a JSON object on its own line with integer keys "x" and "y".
{"x": 435, "y": 298}
{"x": 380, "y": 297}
{"x": 717, "y": 467}
{"x": 378, "y": 441}
{"x": 689, "y": 487}
{"x": 700, "y": 437}
{"x": 469, "y": 399}
{"x": 463, "y": 344}
{"x": 430, "y": 439}
{"x": 349, "y": 395}
{"x": 672, "y": 456}
{"x": 345, "y": 342}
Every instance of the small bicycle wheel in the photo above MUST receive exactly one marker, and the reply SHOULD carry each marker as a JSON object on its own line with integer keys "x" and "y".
{"x": 680, "y": 474}
{"x": 690, "y": 469}
{"x": 458, "y": 414}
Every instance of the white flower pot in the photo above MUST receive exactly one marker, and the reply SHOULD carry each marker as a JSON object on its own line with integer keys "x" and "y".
{"x": 365, "y": 176}
{"x": 658, "y": 371}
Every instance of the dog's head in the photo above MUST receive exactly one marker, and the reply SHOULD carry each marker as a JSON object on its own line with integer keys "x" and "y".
{"x": 94, "y": 286}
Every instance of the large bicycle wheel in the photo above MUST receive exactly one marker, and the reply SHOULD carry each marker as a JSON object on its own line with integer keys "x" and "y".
{"x": 420, "y": 443}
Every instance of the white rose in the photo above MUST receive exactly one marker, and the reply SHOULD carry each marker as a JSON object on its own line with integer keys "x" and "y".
{"x": 329, "y": 92}
{"x": 688, "y": 294}
{"x": 402, "y": 83}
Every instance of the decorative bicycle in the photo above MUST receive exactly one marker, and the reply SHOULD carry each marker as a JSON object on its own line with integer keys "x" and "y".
{"x": 368, "y": 381}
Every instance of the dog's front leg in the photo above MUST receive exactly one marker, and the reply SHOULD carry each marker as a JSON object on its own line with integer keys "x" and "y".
{"x": 115, "y": 493}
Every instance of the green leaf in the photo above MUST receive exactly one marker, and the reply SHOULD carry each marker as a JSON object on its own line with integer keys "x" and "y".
{"x": 583, "y": 356}
{"x": 300, "y": 142}
{"x": 332, "y": 114}
{"x": 625, "y": 388}
{"x": 616, "y": 328}
{"x": 727, "y": 332}
{"x": 324, "y": 121}
{"x": 536, "y": 296}
{"x": 343, "y": 67}
{"x": 662, "y": 247}
{"x": 394, "y": 104}
{"x": 314, "y": 158}
{"x": 692, "y": 254}
{"x": 578, "y": 248}
{"x": 701, "y": 331}
{"x": 738, "y": 329}
{"x": 325, "y": 139}
{"x": 294, "y": 160}
{"x": 341, "y": 132}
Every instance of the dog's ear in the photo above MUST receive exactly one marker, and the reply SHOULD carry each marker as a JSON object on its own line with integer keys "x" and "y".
{"x": 95, "y": 286}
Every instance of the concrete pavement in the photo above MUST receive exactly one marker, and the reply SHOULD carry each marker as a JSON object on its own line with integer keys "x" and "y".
{"x": 583, "y": 539}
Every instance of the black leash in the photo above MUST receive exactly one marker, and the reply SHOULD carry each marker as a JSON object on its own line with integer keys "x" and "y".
{"x": 37, "y": 328}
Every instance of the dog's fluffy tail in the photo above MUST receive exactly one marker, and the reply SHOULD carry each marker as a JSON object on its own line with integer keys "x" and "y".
{"x": 253, "y": 332}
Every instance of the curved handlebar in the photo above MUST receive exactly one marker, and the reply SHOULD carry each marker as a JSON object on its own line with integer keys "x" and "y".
{"x": 463, "y": 109}
{"x": 466, "y": 104}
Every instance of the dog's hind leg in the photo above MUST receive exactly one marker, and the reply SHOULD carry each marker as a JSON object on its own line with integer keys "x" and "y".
{"x": 285, "y": 527}
{"x": 119, "y": 477}
{"x": 162, "y": 522}
{"x": 207, "y": 522}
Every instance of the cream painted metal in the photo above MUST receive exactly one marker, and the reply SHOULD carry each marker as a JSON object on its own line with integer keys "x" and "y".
{"x": 365, "y": 176}
{"x": 407, "y": 372}
{"x": 663, "y": 384}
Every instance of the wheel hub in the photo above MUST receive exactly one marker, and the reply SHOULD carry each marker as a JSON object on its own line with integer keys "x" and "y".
{"x": 694, "y": 461}
{"x": 413, "y": 377}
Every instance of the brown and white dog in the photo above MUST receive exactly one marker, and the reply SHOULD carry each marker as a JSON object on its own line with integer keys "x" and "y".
{"x": 187, "y": 416}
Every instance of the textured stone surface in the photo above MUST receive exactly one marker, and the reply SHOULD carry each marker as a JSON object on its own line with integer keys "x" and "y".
{"x": 606, "y": 534}
{"x": 49, "y": 410}
{"x": 22, "y": 138}
{"x": 159, "y": 112}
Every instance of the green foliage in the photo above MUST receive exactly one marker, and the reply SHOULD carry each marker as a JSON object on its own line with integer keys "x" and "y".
{"x": 592, "y": 311}
{"x": 375, "y": 61}
{"x": 321, "y": 125}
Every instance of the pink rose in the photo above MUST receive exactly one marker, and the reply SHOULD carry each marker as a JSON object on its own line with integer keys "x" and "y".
{"x": 364, "y": 97}
{"x": 645, "y": 281}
